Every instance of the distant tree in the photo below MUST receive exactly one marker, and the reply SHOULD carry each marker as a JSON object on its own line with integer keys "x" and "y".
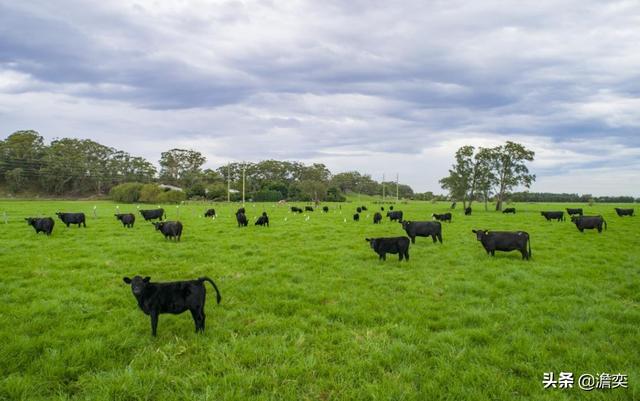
{"x": 181, "y": 167}
{"x": 459, "y": 181}
{"x": 23, "y": 150}
{"x": 15, "y": 179}
{"x": 510, "y": 170}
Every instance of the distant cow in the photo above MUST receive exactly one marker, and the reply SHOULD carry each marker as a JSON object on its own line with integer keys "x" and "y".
{"x": 467, "y": 211}
{"x": 383, "y": 246}
{"x": 210, "y": 213}
{"x": 382, "y": 208}
{"x": 359, "y": 209}
{"x": 506, "y": 241}
{"x": 571, "y": 212}
{"x": 356, "y": 217}
{"x": 415, "y": 229}
{"x": 624, "y": 212}
{"x": 152, "y": 214}
{"x": 553, "y": 216}
{"x": 295, "y": 209}
{"x": 263, "y": 220}
{"x": 308, "y": 209}
{"x": 363, "y": 208}
{"x": 72, "y": 218}
{"x": 175, "y": 297}
{"x": 127, "y": 219}
{"x": 377, "y": 218}
{"x": 442, "y": 217}
{"x": 453, "y": 205}
{"x": 44, "y": 224}
{"x": 511, "y": 210}
{"x": 390, "y": 207}
{"x": 325, "y": 209}
{"x": 397, "y": 215}
{"x": 241, "y": 218}
{"x": 589, "y": 222}
{"x": 170, "y": 229}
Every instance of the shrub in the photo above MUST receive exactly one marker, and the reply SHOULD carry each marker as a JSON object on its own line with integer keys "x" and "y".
{"x": 149, "y": 193}
{"x": 171, "y": 197}
{"x": 129, "y": 192}
{"x": 267, "y": 195}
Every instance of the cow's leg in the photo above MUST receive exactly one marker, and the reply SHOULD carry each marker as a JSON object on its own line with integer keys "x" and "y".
{"x": 493, "y": 252}
{"x": 413, "y": 239}
{"x": 406, "y": 255}
{"x": 196, "y": 318}
{"x": 154, "y": 323}
{"x": 440, "y": 237}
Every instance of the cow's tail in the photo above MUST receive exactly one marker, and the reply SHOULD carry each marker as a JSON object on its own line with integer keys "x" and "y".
{"x": 605, "y": 223}
{"x": 529, "y": 241}
{"x": 203, "y": 279}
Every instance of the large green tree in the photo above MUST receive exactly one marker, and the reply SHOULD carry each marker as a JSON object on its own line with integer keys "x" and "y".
{"x": 510, "y": 169}
{"x": 181, "y": 167}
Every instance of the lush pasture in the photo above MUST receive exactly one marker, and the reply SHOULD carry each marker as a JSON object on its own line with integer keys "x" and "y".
{"x": 309, "y": 313}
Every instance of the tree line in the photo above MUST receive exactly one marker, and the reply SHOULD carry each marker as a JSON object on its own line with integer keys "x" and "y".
{"x": 80, "y": 167}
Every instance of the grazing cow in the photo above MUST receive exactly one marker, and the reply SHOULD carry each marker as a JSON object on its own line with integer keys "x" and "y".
{"x": 383, "y": 246}
{"x": 210, "y": 213}
{"x": 175, "y": 297}
{"x": 382, "y": 208}
{"x": 511, "y": 210}
{"x": 44, "y": 224}
{"x": 589, "y": 222}
{"x": 415, "y": 229}
{"x": 356, "y": 217}
{"x": 467, "y": 211}
{"x": 295, "y": 209}
{"x": 152, "y": 214}
{"x": 241, "y": 218}
{"x": 359, "y": 209}
{"x": 325, "y": 209}
{"x": 397, "y": 215}
{"x": 170, "y": 229}
{"x": 263, "y": 220}
{"x": 364, "y": 208}
{"x": 377, "y": 218}
{"x": 127, "y": 219}
{"x": 308, "y": 208}
{"x": 571, "y": 212}
{"x": 442, "y": 217}
{"x": 506, "y": 241}
{"x": 453, "y": 205}
{"x": 624, "y": 212}
{"x": 241, "y": 210}
{"x": 73, "y": 218}
{"x": 553, "y": 216}
{"x": 390, "y": 207}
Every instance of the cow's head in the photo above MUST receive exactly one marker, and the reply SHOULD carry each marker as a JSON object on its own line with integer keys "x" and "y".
{"x": 59, "y": 214}
{"x": 30, "y": 220}
{"x": 372, "y": 242}
{"x": 405, "y": 224}
{"x": 158, "y": 225}
{"x": 480, "y": 233}
{"x": 119, "y": 216}
{"x": 138, "y": 284}
{"x": 575, "y": 218}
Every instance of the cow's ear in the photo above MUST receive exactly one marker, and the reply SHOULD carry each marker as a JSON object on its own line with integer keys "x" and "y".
{"x": 368, "y": 239}
{"x": 474, "y": 231}
{"x": 146, "y": 279}
{"x": 126, "y": 280}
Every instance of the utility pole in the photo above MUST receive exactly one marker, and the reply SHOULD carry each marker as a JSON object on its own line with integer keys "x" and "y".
{"x": 383, "y": 187}
{"x": 229, "y": 183}
{"x": 244, "y": 167}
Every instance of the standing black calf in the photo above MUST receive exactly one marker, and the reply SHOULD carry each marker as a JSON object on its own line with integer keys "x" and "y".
{"x": 382, "y": 246}
{"x": 356, "y": 217}
{"x": 170, "y": 229}
{"x": 73, "y": 218}
{"x": 467, "y": 211}
{"x": 377, "y": 218}
{"x": 241, "y": 218}
{"x": 127, "y": 219}
{"x": 325, "y": 209}
{"x": 359, "y": 209}
{"x": 175, "y": 297}
{"x": 44, "y": 224}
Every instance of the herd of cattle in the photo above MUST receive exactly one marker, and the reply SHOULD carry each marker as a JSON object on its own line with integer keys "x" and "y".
{"x": 491, "y": 240}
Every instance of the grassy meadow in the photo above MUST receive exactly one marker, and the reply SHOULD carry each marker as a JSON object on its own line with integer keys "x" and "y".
{"x": 309, "y": 313}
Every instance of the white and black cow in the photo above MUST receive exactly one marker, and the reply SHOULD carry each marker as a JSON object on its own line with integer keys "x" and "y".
{"x": 505, "y": 241}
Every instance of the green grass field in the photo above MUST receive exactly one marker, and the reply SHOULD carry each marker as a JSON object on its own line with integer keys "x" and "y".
{"x": 309, "y": 313}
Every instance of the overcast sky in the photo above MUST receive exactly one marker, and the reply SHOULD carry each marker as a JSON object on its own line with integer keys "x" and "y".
{"x": 374, "y": 86}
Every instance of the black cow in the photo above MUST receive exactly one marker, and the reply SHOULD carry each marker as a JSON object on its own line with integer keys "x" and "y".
{"x": 397, "y": 215}
{"x": 624, "y": 212}
{"x": 390, "y": 207}
{"x": 263, "y": 220}
{"x": 241, "y": 218}
{"x": 308, "y": 209}
{"x": 571, "y": 212}
{"x": 210, "y": 213}
{"x": 415, "y": 229}
{"x": 377, "y": 218}
{"x": 176, "y": 297}
{"x": 511, "y": 210}
{"x": 356, "y": 217}
{"x": 295, "y": 209}
{"x": 44, "y": 224}
{"x": 359, "y": 209}
{"x": 506, "y": 241}
{"x": 553, "y": 216}
{"x": 467, "y": 211}
{"x": 589, "y": 222}
{"x": 170, "y": 229}
{"x": 383, "y": 246}
{"x": 325, "y": 209}
{"x": 241, "y": 210}
{"x": 127, "y": 219}
{"x": 453, "y": 205}
{"x": 73, "y": 218}
{"x": 382, "y": 208}
{"x": 152, "y": 214}
{"x": 442, "y": 217}
{"x": 364, "y": 208}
